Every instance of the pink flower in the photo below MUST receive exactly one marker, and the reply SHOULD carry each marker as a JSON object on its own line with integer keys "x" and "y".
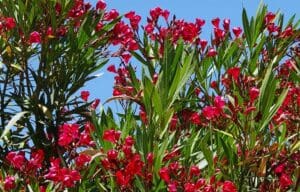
{"x": 9, "y": 183}
{"x": 34, "y": 37}
{"x": 229, "y": 186}
{"x": 85, "y": 95}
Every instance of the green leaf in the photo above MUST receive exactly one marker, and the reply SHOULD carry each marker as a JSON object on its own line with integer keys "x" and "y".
{"x": 12, "y": 122}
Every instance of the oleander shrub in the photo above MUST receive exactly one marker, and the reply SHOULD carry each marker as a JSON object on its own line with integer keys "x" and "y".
{"x": 196, "y": 114}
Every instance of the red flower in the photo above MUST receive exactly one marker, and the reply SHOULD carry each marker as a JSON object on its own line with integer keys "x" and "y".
{"x": 122, "y": 179}
{"x": 65, "y": 176}
{"x": 134, "y": 19}
{"x": 34, "y": 37}
{"x": 112, "y": 68}
{"x": 209, "y": 112}
{"x": 172, "y": 187}
{"x": 9, "y": 183}
{"x": 197, "y": 91}
{"x": 150, "y": 158}
{"x": 112, "y": 154}
{"x": 155, "y": 13}
{"x": 216, "y": 22}
{"x": 113, "y": 14}
{"x": 237, "y": 31}
{"x": 285, "y": 181}
{"x": 100, "y": 5}
{"x": 211, "y": 52}
{"x": 68, "y": 133}
{"x": 165, "y": 14}
{"x": 126, "y": 57}
{"x": 200, "y": 183}
{"x": 111, "y": 135}
{"x": 189, "y": 187}
{"x": 229, "y": 186}
{"x": 234, "y": 72}
{"x": 129, "y": 141}
{"x": 49, "y": 32}
{"x": 269, "y": 17}
{"x": 213, "y": 84}
{"x": 226, "y": 24}
{"x": 174, "y": 121}
{"x": 69, "y": 177}
{"x": 194, "y": 171}
{"x": 116, "y": 92}
{"x": 36, "y": 160}
{"x": 135, "y": 166}
{"x": 287, "y": 32}
{"x": 82, "y": 159}
{"x": 195, "y": 118}
{"x": 200, "y": 23}
{"x": 154, "y": 78}
{"x": 164, "y": 174}
{"x": 85, "y": 95}
{"x": 203, "y": 44}
{"x": 16, "y": 159}
{"x": 279, "y": 169}
{"x": 219, "y": 33}
{"x": 10, "y": 23}
{"x": 253, "y": 93}
{"x": 143, "y": 116}
{"x": 149, "y": 28}
{"x": 219, "y": 102}
{"x": 99, "y": 26}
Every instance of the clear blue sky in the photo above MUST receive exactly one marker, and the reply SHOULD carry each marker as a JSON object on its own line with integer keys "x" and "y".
{"x": 189, "y": 10}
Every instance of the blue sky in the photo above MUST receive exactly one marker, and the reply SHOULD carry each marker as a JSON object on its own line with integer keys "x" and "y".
{"x": 189, "y": 10}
